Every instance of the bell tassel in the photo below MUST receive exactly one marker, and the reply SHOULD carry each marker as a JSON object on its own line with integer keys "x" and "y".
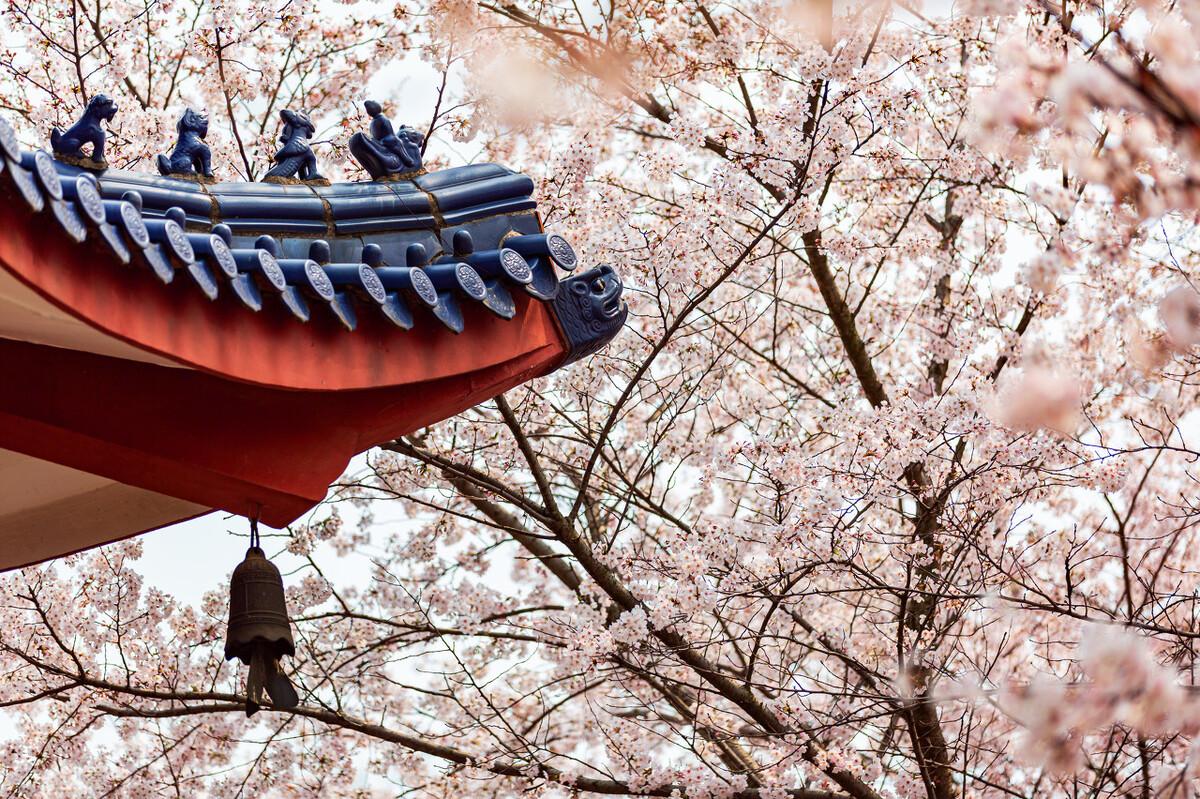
{"x": 279, "y": 687}
{"x": 267, "y": 674}
{"x": 256, "y": 679}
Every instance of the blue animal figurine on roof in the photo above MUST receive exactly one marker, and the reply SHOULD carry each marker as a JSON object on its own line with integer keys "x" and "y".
{"x": 295, "y": 159}
{"x": 191, "y": 157}
{"x": 68, "y": 145}
{"x": 387, "y": 153}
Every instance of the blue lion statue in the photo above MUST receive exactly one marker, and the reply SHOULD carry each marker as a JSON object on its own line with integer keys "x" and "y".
{"x": 295, "y": 159}
{"x": 88, "y": 130}
{"x": 191, "y": 156}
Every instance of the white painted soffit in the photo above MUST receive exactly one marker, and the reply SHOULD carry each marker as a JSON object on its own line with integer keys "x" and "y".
{"x": 26, "y": 316}
{"x": 48, "y": 510}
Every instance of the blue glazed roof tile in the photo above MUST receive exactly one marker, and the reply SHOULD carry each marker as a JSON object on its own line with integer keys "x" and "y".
{"x": 158, "y": 193}
{"x": 353, "y": 227}
{"x": 469, "y": 215}
{"x": 278, "y": 209}
{"x": 456, "y": 175}
{"x": 505, "y": 189}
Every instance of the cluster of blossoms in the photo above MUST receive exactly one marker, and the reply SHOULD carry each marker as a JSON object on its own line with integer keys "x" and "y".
{"x": 240, "y": 61}
{"x": 1121, "y": 683}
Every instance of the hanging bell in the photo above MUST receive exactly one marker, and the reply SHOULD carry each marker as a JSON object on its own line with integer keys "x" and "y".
{"x": 259, "y": 631}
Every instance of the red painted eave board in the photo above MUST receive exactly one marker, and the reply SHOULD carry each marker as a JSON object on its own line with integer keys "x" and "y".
{"x": 242, "y": 448}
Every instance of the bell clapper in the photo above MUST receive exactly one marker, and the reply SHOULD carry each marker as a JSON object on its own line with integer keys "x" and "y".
{"x": 260, "y": 633}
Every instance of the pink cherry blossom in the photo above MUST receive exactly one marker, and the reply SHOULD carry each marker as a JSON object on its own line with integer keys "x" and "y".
{"x": 1179, "y": 311}
{"x": 1039, "y": 397}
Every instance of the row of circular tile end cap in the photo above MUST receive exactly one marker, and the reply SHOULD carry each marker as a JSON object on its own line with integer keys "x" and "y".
{"x": 250, "y": 272}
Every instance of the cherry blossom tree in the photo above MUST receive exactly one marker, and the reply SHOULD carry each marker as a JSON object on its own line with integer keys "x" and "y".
{"x": 887, "y": 490}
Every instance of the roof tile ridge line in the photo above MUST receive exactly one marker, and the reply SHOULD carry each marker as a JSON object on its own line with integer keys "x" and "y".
{"x": 498, "y": 214}
{"x": 438, "y": 220}
{"x": 214, "y": 207}
{"x": 396, "y": 177}
{"x": 326, "y": 208}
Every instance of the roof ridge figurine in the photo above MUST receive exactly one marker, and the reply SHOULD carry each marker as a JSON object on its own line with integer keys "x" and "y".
{"x": 295, "y": 161}
{"x": 387, "y": 154}
{"x": 191, "y": 158}
{"x": 68, "y": 145}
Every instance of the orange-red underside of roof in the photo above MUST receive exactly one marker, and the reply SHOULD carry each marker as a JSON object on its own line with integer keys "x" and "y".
{"x": 270, "y": 412}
